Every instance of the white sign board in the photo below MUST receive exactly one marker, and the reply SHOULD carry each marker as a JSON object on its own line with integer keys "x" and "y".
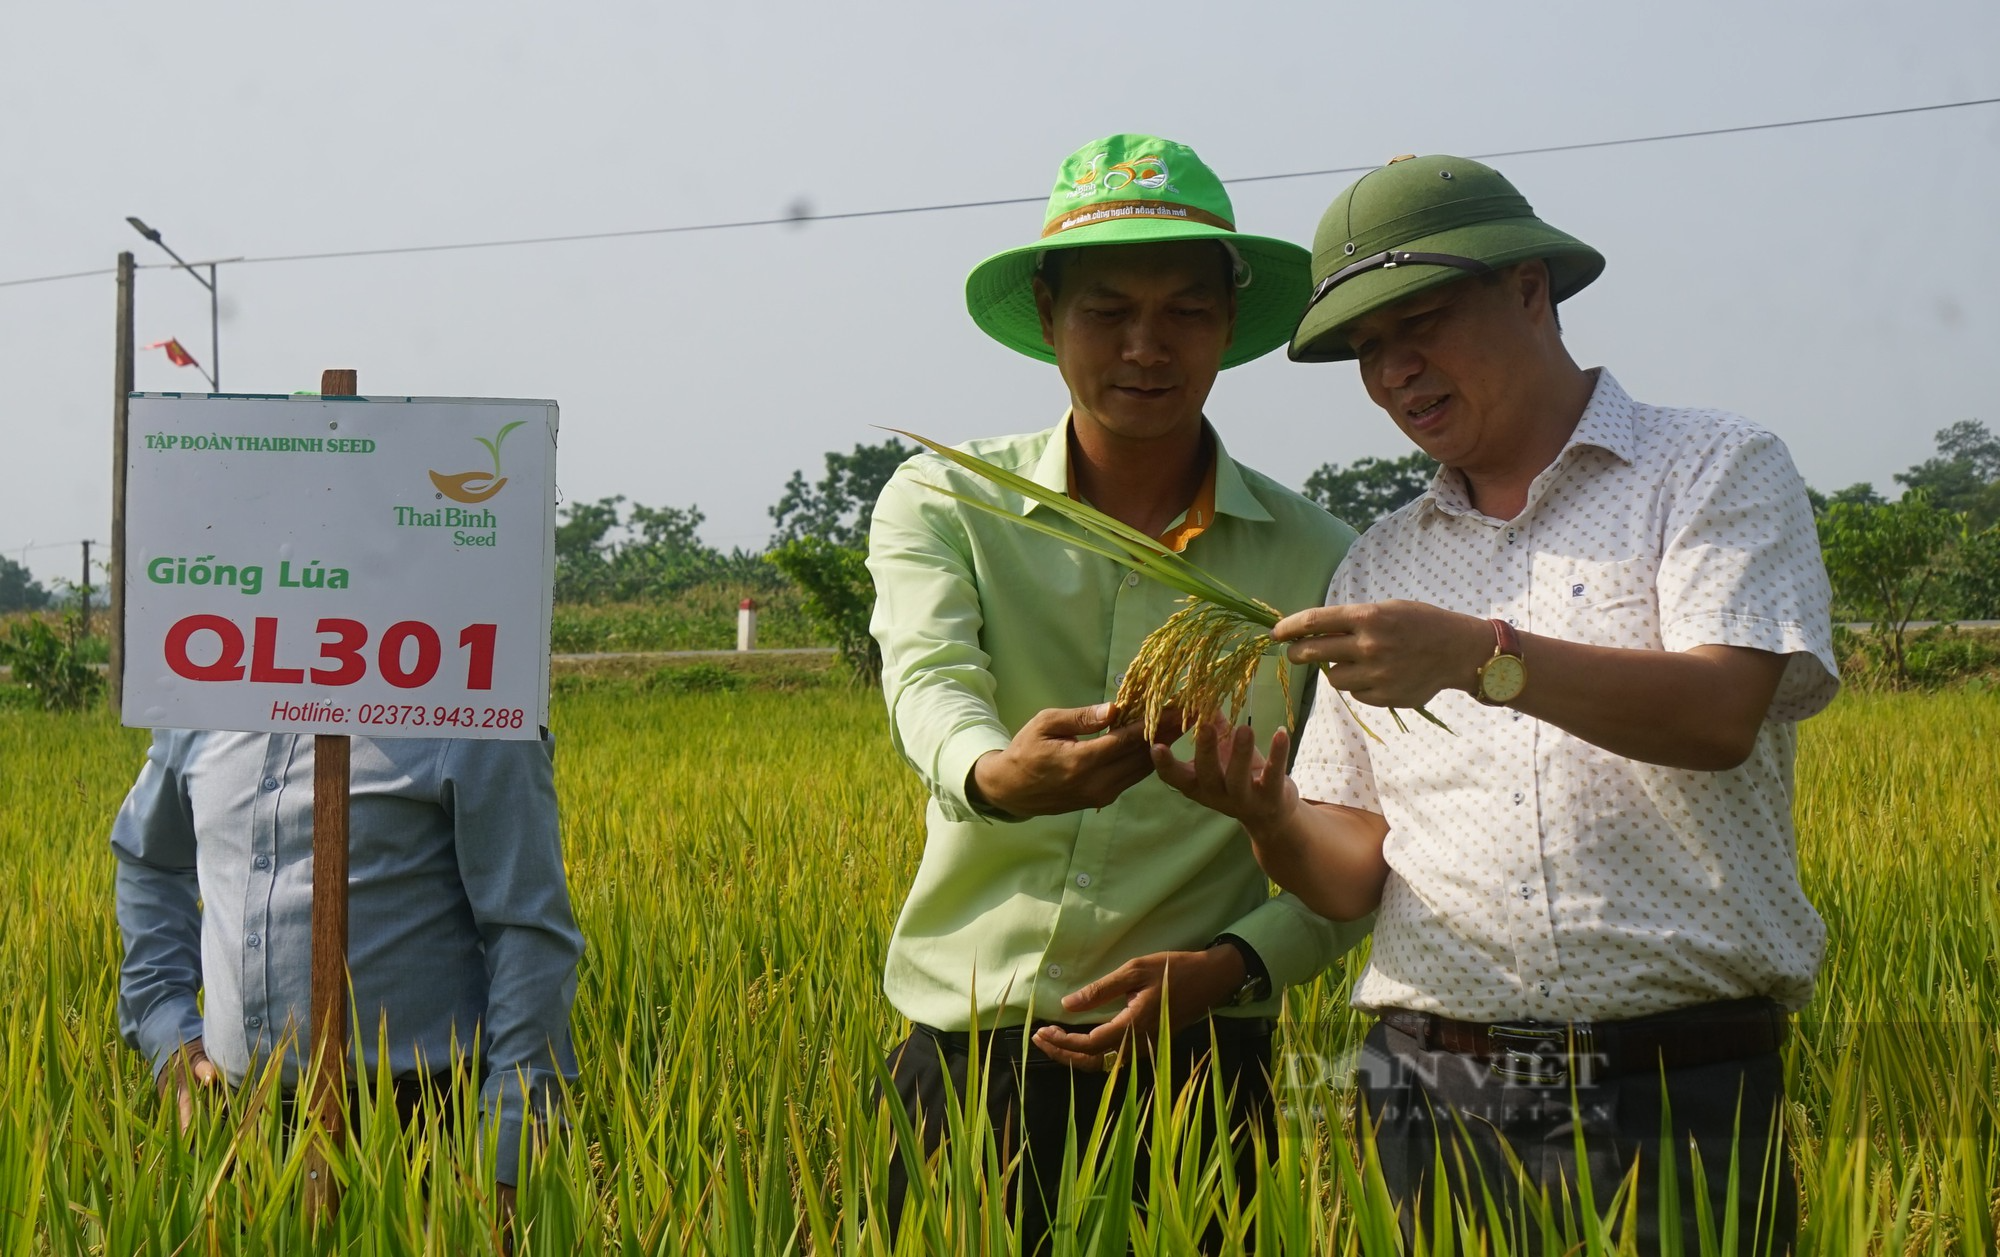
{"x": 359, "y": 565}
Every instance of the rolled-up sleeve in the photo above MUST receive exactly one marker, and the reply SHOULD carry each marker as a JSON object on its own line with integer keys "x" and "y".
{"x": 1741, "y": 566}
{"x": 1295, "y": 943}
{"x": 936, "y": 678}
{"x": 158, "y": 904}
{"x": 502, "y": 800}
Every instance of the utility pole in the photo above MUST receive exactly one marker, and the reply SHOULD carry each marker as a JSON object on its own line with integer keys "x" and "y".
{"x": 214, "y": 331}
{"x": 121, "y": 372}
{"x": 84, "y": 590}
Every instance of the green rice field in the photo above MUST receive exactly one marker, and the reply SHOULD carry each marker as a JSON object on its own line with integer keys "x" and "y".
{"x": 737, "y": 858}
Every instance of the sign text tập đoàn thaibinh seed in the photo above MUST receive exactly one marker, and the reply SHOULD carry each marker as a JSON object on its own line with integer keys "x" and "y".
{"x": 378, "y": 566}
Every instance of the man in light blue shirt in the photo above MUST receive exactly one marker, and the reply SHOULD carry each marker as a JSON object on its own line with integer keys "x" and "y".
{"x": 460, "y": 930}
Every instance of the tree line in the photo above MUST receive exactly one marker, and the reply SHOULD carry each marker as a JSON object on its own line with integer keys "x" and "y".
{"x": 1930, "y": 553}
{"x": 1933, "y": 552}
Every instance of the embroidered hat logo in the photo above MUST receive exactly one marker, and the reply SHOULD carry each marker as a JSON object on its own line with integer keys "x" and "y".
{"x": 1149, "y": 172}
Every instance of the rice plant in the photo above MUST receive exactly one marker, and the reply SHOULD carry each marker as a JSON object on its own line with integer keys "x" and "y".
{"x": 737, "y": 861}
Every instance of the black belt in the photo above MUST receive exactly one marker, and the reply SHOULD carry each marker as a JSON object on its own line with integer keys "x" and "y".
{"x": 1008, "y": 1042}
{"x": 1551, "y": 1052}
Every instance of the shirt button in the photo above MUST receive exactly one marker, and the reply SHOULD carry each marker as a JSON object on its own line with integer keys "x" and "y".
{"x": 1518, "y": 796}
{"x": 1542, "y": 988}
{"x": 1132, "y": 580}
{"x": 1527, "y": 892}
{"x": 1055, "y": 971}
{"x": 1083, "y": 879}
{"x": 1515, "y": 714}
{"x": 252, "y": 940}
{"x": 270, "y": 783}
{"x": 262, "y": 862}
{"x": 253, "y": 1022}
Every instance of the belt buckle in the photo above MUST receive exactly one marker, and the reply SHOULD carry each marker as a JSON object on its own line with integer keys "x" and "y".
{"x": 1539, "y": 1056}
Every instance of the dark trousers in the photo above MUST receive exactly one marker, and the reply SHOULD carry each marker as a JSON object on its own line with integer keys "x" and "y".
{"x": 1034, "y": 1102}
{"x": 1426, "y": 1104}
{"x": 409, "y": 1096}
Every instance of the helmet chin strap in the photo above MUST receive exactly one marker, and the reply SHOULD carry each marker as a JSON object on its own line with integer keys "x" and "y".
{"x": 1389, "y": 259}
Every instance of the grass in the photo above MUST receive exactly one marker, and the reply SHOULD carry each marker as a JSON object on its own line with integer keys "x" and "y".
{"x": 737, "y": 855}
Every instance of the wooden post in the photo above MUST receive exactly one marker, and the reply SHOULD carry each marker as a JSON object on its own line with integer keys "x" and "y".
{"x": 121, "y": 383}
{"x": 328, "y": 1104}
{"x": 83, "y": 591}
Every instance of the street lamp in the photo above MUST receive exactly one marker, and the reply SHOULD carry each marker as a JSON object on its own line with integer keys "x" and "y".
{"x": 214, "y": 322}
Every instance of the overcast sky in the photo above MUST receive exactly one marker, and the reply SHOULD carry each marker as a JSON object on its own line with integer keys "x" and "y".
{"x": 1839, "y": 284}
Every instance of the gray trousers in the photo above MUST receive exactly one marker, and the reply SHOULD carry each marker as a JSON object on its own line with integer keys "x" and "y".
{"x": 1432, "y": 1105}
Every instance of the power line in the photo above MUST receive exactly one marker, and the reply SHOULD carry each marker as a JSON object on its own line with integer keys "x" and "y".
{"x": 50, "y": 279}
{"x": 848, "y": 215}
{"x": 1655, "y": 139}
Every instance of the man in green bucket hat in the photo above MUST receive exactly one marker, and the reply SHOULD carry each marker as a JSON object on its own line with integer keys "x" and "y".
{"x": 1067, "y": 903}
{"x": 1589, "y": 897}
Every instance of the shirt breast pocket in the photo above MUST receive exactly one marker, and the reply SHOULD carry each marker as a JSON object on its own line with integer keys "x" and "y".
{"x": 1611, "y": 602}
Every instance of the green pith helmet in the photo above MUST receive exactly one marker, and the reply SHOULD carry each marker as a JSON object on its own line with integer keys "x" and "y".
{"x": 1414, "y": 224}
{"x": 1140, "y": 189}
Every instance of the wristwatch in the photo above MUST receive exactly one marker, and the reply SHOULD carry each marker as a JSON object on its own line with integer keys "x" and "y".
{"x": 1505, "y": 675}
{"x": 1256, "y": 978}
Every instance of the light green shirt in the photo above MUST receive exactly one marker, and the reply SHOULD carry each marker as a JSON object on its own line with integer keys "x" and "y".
{"x": 983, "y": 623}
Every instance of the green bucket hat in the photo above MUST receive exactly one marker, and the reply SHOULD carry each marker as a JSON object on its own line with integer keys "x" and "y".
{"x": 1141, "y": 189}
{"x": 1414, "y": 224}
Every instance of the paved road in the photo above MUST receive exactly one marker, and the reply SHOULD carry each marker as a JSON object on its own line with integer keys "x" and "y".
{"x": 807, "y": 651}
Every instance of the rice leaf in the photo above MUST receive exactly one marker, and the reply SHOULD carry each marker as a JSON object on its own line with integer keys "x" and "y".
{"x": 1201, "y": 662}
{"x": 1146, "y": 550}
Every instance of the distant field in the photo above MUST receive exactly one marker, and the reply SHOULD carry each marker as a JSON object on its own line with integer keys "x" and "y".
{"x": 702, "y": 618}
{"x": 737, "y": 858}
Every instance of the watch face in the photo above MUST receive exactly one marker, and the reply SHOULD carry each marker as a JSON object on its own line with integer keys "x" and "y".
{"x": 1503, "y": 678}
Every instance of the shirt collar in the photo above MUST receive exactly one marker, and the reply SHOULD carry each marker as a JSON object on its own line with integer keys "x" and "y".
{"x": 1606, "y": 424}
{"x": 1232, "y": 492}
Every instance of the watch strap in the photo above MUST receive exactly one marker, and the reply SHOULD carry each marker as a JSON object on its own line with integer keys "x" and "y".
{"x": 1256, "y": 977}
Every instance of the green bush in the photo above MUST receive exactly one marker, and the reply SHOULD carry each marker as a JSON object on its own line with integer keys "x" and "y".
{"x": 1974, "y": 582}
{"x": 1943, "y": 656}
{"x": 1939, "y": 657}
{"x": 51, "y": 663}
{"x": 1888, "y": 564}
{"x": 839, "y": 596}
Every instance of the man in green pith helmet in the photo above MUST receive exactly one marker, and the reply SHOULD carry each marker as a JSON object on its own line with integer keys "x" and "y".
{"x": 1589, "y": 898}
{"x": 1068, "y": 903}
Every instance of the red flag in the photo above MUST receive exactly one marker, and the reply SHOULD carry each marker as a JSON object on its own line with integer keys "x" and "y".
{"x": 175, "y": 354}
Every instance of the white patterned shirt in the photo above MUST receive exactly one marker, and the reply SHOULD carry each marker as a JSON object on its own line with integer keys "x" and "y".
{"x": 1533, "y": 875}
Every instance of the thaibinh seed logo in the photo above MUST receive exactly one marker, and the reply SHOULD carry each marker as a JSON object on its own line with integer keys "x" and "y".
{"x": 477, "y": 486}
